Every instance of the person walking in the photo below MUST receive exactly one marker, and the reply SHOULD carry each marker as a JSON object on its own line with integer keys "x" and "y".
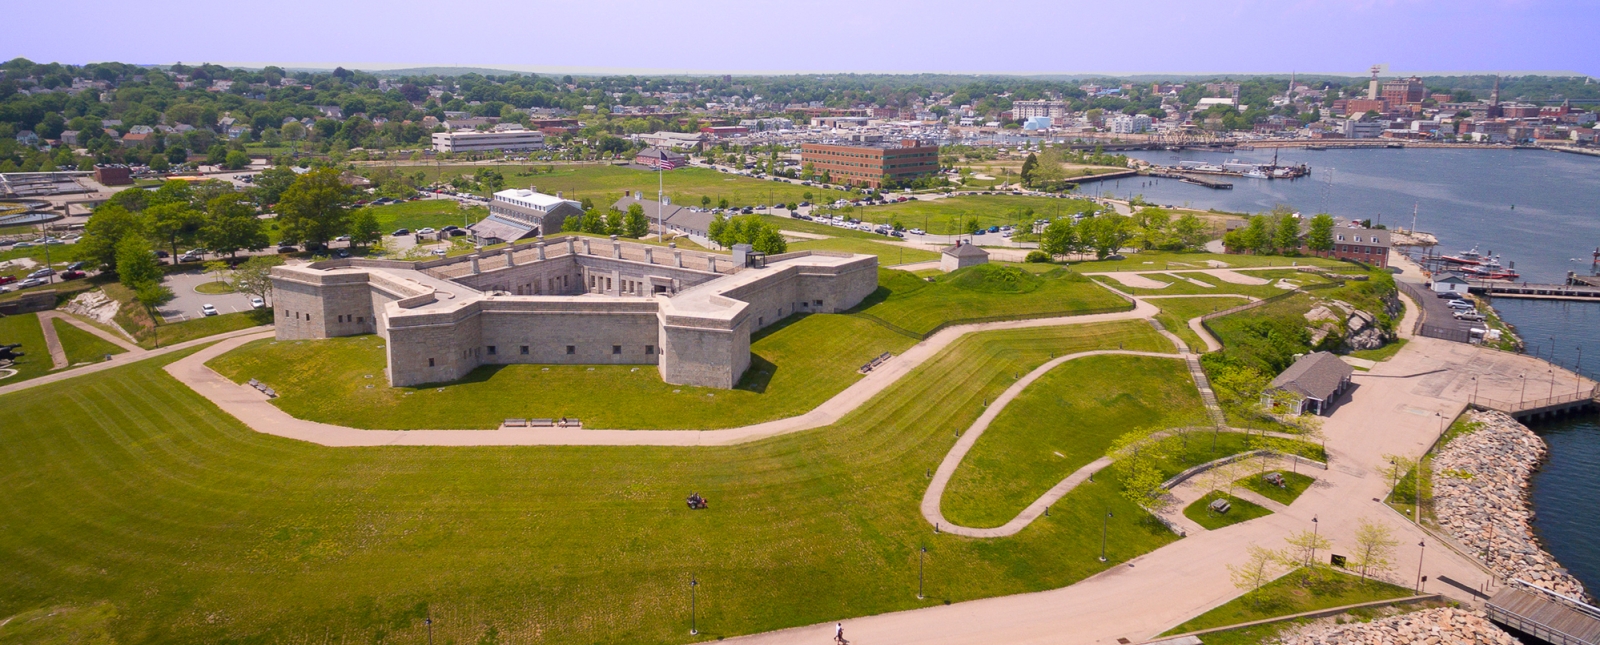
{"x": 838, "y": 634}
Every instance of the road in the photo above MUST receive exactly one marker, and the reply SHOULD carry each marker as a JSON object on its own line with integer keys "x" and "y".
{"x": 186, "y": 301}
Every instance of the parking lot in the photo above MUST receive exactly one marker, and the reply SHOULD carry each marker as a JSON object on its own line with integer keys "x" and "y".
{"x": 1436, "y": 312}
{"x": 186, "y": 303}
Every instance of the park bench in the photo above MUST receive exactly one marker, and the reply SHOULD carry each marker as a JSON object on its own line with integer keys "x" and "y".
{"x": 1276, "y": 479}
{"x": 1219, "y": 506}
{"x": 881, "y": 359}
{"x": 569, "y": 423}
{"x": 696, "y": 502}
{"x": 255, "y": 384}
{"x": 541, "y": 423}
{"x": 515, "y": 423}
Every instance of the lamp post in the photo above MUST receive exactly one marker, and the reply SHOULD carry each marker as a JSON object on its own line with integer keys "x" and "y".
{"x": 429, "y": 622}
{"x": 693, "y": 627}
{"x": 1315, "y": 527}
{"x": 1104, "y": 522}
{"x": 1524, "y": 396}
{"x": 1552, "y": 382}
{"x": 920, "y": 556}
{"x": 1422, "y": 547}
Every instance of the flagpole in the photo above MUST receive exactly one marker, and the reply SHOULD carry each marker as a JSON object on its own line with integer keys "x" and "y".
{"x": 661, "y": 174}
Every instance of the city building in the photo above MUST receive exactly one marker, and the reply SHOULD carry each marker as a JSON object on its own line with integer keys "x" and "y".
{"x": 570, "y": 300}
{"x": 516, "y": 213}
{"x": 724, "y": 131}
{"x": 470, "y": 141}
{"x": 671, "y": 218}
{"x": 1037, "y": 123}
{"x": 961, "y": 256}
{"x": 660, "y": 159}
{"x": 113, "y": 175}
{"x": 1357, "y": 128}
{"x": 1024, "y": 110}
{"x": 1130, "y": 123}
{"x": 674, "y": 140}
{"x": 871, "y": 163}
{"x": 1404, "y": 91}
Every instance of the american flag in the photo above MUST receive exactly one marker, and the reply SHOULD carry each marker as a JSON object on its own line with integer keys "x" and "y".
{"x": 667, "y": 163}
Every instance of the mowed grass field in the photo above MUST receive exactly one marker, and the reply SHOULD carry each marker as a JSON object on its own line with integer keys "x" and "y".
{"x": 1177, "y": 312}
{"x": 82, "y": 346}
{"x": 1063, "y": 421}
{"x": 136, "y": 508}
{"x": 888, "y": 254}
{"x": 24, "y": 330}
{"x": 983, "y": 292}
{"x": 430, "y": 213}
{"x": 605, "y": 183}
{"x": 795, "y": 366}
{"x": 1167, "y": 260}
{"x": 1181, "y": 284}
{"x": 947, "y": 216}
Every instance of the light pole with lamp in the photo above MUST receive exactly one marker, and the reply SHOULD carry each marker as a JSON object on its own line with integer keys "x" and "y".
{"x": 920, "y": 556}
{"x": 1422, "y": 548}
{"x": 1524, "y": 396}
{"x": 429, "y": 622}
{"x": 1552, "y": 373}
{"x": 693, "y": 627}
{"x": 1104, "y": 522}
{"x": 1315, "y": 528}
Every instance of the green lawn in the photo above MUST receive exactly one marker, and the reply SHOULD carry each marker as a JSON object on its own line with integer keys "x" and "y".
{"x": 82, "y": 346}
{"x": 804, "y": 226}
{"x": 604, "y": 183}
{"x": 1294, "y": 593}
{"x": 947, "y": 216}
{"x": 134, "y": 497}
{"x": 1063, "y": 421}
{"x": 1177, "y": 312}
{"x": 1167, "y": 260}
{"x": 888, "y": 254}
{"x": 425, "y": 213}
{"x": 1293, "y": 484}
{"x": 984, "y": 292}
{"x": 24, "y": 329}
{"x": 1382, "y": 353}
{"x": 1179, "y": 286}
{"x": 214, "y": 287}
{"x": 794, "y": 367}
{"x": 1241, "y": 511}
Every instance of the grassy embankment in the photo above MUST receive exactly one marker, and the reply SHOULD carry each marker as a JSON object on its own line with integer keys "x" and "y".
{"x": 1241, "y": 511}
{"x": 604, "y": 183}
{"x": 984, "y": 292}
{"x": 149, "y": 334}
{"x": 82, "y": 346}
{"x": 564, "y": 544}
{"x": 1293, "y": 593}
{"x": 24, "y": 330}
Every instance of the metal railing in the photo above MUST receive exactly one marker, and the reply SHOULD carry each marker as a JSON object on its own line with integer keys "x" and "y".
{"x": 1510, "y": 407}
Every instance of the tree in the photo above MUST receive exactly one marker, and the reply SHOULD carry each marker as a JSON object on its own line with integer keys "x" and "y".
{"x": 1397, "y": 469}
{"x": 1374, "y": 554}
{"x": 106, "y": 228}
{"x": 718, "y": 227}
{"x": 315, "y": 208}
{"x": 136, "y": 262}
{"x": 1190, "y": 231}
{"x": 1303, "y": 548}
{"x": 1257, "y": 236}
{"x": 705, "y": 201}
{"x": 364, "y": 227}
{"x": 1260, "y": 568}
{"x": 216, "y": 267}
{"x": 1106, "y": 234}
{"x": 769, "y": 240}
{"x": 231, "y": 225}
{"x": 1320, "y": 238}
{"x": 1027, "y": 169}
{"x": 636, "y": 224}
{"x": 1287, "y": 235}
{"x": 1150, "y": 227}
{"x": 572, "y": 224}
{"x": 172, "y": 222}
{"x": 151, "y": 295}
{"x": 594, "y": 222}
{"x": 270, "y": 184}
{"x": 254, "y": 276}
{"x": 1060, "y": 238}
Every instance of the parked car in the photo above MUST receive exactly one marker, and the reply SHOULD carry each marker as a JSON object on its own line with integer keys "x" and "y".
{"x": 208, "y": 310}
{"x": 1473, "y": 316}
{"x": 256, "y": 302}
{"x": 30, "y": 282}
{"x": 440, "y": 252}
{"x": 342, "y": 253}
{"x": 426, "y": 231}
{"x": 287, "y": 249}
{"x": 7, "y": 279}
{"x": 47, "y": 271}
{"x": 403, "y": 231}
{"x": 342, "y": 238}
{"x": 73, "y": 275}
{"x": 918, "y": 231}
{"x": 75, "y": 266}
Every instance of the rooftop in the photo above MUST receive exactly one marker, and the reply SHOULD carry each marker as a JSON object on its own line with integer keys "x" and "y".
{"x": 1316, "y": 376}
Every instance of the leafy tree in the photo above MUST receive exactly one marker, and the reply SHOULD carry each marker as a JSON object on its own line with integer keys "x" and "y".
{"x": 1374, "y": 553}
{"x": 572, "y": 224}
{"x": 231, "y": 225}
{"x": 705, "y": 201}
{"x": 1302, "y": 552}
{"x": 616, "y": 222}
{"x": 270, "y": 184}
{"x": 1257, "y": 236}
{"x": 216, "y": 267}
{"x": 151, "y": 295}
{"x": 1151, "y": 227}
{"x": 636, "y": 225}
{"x": 768, "y": 240}
{"x": 1287, "y": 235}
{"x": 1106, "y": 234}
{"x": 1190, "y": 231}
{"x": 254, "y": 276}
{"x": 1060, "y": 238}
{"x": 136, "y": 262}
{"x": 1320, "y": 238}
{"x": 1027, "y": 169}
{"x": 1260, "y": 568}
{"x": 315, "y": 208}
{"x": 217, "y": 155}
{"x": 717, "y": 228}
{"x": 106, "y": 228}
{"x": 364, "y": 227}
{"x": 172, "y": 222}
{"x": 593, "y": 222}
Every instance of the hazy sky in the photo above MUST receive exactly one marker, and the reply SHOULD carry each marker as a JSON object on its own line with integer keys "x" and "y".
{"x": 1026, "y": 36}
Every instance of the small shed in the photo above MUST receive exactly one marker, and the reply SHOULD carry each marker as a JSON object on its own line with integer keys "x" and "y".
{"x": 1311, "y": 383}
{"x": 961, "y": 256}
{"x": 1450, "y": 283}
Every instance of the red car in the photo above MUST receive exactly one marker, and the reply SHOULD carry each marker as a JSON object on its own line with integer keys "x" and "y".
{"x": 7, "y": 279}
{"x": 73, "y": 275}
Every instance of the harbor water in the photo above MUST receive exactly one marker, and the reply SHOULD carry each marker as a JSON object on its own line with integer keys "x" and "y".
{"x": 1539, "y": 209}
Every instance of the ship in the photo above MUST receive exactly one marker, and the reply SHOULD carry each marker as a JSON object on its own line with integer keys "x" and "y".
{"x": 1465, "y": 257}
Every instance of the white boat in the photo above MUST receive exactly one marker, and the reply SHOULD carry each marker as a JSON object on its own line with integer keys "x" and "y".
{"x": 1256, "y": 174}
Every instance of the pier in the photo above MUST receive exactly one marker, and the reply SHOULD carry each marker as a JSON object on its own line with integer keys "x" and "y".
{"x": 1499, "y": 289}
{"x": 1545, "y": 615}
{"x": 1191, "y": 179}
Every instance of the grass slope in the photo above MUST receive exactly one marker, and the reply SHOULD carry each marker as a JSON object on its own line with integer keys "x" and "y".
{"x": 82, "y": 346}
{"x": 131, "y": 490}
{"x": 24, "y": 330}
{"x": 795, "y": 367}
{"x": 947, "y": 216}
{"x": 434, "y": 213}
{"x": 1167, "y": 260}
{"x": 1294, "y": 593}
{"x": 1177, "y": 312}
{"x": 888, "y": 254}
{"x": 1293, "y": 485}
{"x": 1240, "y": 511}
{"x": 605, "y": 183}
{"x": 1063, "y": 421}
{"x": 984, "y": 292}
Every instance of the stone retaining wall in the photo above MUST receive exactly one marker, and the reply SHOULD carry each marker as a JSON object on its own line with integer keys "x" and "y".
{"x": 1480, "y": 497}
{"x": 1429, "y": 626}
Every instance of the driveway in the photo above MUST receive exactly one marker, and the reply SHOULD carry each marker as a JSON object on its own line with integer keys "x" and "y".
{"x": 186, "y": 303}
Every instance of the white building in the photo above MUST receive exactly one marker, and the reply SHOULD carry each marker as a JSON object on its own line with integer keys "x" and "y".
{"x": 1358, "y": 129}
{"x": 469, "y": 141}
{"x": 1024, "y": 110}
{"x": 1130, "y": 124}
{"x": 673, "y": 140}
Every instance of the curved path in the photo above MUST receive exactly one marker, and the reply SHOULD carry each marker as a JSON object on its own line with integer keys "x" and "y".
{"x": 256, "y": 411}
{"x": 952, "y": 459}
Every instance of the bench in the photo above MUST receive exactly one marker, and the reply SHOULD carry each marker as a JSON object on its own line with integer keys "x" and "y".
{"x": 1219, "y": 506}
{"x": 515, "y": 423}
{"x": 541, "y": 423}
{"x": 1276, "y": 479}
{"x": 880, "y": 360}
{"x": 569, "y": 423}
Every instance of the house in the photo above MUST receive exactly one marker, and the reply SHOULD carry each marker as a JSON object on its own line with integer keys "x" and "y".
{"x": 961, "y": 256}
{"x": 672, "y": 218}
{"x": 331, "y": 111}
{"x": 1450, "y": 283}
{"x": 69, "y": 137}
{"x": 1310, "y": 385}
{"x": 516, "y": 213}
{"x": 138, "y": 139}
{"x": 660, "y": 159}
{"x": 28, "y": 138}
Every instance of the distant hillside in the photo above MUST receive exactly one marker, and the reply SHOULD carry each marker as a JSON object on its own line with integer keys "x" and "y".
{"x": 442, "y": 71}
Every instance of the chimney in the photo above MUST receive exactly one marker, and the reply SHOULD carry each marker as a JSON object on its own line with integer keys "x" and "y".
{"x": 558, "y": 194}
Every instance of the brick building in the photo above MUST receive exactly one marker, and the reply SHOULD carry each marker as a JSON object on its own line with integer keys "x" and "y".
{"x": 871, "y": 163}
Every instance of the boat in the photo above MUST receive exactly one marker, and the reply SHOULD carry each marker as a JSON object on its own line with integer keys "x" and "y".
{"x": 1465, "y": 257}
{"x": 1256, "y": 174}
{"x": 1316, "y": 147}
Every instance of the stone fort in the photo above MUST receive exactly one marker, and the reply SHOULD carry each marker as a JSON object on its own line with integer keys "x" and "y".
{"x": 567, "y": 300}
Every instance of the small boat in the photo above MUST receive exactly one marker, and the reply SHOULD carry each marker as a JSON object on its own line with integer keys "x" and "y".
{"x": 1256, "y": 174}
{"x": 1465, "y": 257}
{"x": 1316, "y": 147}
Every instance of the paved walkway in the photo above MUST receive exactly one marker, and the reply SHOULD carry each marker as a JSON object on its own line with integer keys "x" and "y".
{"x": 115, "y": 339}
{"x": 52, "y": 342}
{"x": 255, "y": 409}
{"x": 121, "y": 359}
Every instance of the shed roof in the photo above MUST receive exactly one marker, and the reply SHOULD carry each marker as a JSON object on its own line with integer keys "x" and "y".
{"x": 965, "y": 251}
{"x": 1318, "y": 375}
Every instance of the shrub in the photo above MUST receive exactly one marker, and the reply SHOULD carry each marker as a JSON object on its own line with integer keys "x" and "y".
{"x": 1038, "y": 256}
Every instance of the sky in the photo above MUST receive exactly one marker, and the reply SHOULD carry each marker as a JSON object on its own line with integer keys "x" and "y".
{"x": 760, "y": 36}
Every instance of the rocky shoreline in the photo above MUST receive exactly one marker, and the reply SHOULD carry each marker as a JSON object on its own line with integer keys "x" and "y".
{"x": 1431, "y": 626}
{"x": 1480, "y": 494}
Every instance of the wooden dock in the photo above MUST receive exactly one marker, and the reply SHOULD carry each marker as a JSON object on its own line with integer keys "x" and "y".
{"x": 1501, "y": 289}
{"x": 1545, "y": 615}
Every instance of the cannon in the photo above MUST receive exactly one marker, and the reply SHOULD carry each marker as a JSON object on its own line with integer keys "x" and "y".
{"x": 9, "y": 352}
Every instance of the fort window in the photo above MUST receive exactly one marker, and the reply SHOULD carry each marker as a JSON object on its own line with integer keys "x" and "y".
{"x": 571, "y": 350}
{"x": 649, "y": 349}
{"x": 817, "y": 302}
{"x": 524, "y": 350}
{"x": 430, "y": 362}
{"x": 491, "y": 350}
{"x": 361, "y": 319}
{"x": 308, "y": 316}
{"x": 616, "y": 350}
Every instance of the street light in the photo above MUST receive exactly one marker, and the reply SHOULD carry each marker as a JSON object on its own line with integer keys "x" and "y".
{"x": 1422, "y": 547}
{"x": 1552, "y": 372}
{"x": 920, "y": 555}
{"x": 1524, "y": 396}
{"x": 1314, "y": 533}
{"x": 429, "y": 622}
{"x": 1474, "y": 390}
{"x": 1104, "y": 522}
{"x": 693, "y": 628}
